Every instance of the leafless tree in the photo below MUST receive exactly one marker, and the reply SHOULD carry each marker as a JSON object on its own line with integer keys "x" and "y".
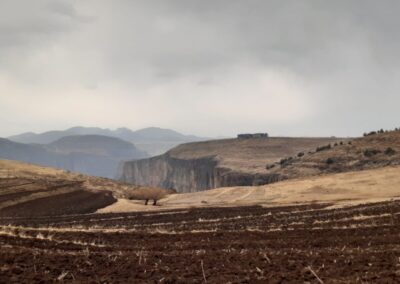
{"x": 146, "y": 194}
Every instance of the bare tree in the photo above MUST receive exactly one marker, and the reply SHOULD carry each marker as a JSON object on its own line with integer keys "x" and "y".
{"x": 146, "y": 194}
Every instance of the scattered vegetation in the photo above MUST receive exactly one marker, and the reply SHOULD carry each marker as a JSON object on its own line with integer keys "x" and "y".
{"x": 301, "y": 154}
{"x": 379, "y": 132}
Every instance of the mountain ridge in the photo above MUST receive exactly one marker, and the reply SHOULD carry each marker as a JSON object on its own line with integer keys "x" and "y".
{"x": 153, "y": 140}
{"x": 121, "y": 132}
{"x": 89, "y": 154}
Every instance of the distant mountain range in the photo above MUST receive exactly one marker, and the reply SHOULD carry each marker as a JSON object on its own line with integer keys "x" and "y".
{"x": 153, "y": 140}
{"x": 89, "y": 154}
{"x": 91, "y": 150}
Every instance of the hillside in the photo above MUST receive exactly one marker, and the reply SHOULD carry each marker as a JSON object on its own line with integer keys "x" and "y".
{"x": 152, "y": 140}
{"x": 199, "y": 166}
{"x": 369, "y": 152}
{"x": 31, "y": 190}
{"x": 89, "y": 154}
{"x": 233, "y": 162}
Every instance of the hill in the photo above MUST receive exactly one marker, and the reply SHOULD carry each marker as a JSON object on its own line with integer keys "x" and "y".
{"x": 229, "y": 162}
{"x": 96, "y": 145}
{"x": 256, "y": 161}
{"x": 30, "y": 190}
{"x": 153, "y": 140}
{"x": 90, "y": 154}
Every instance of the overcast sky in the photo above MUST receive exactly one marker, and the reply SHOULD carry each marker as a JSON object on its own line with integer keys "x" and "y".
{"x": 209, "y": 68}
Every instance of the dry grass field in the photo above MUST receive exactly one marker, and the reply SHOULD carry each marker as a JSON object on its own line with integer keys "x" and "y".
{"x": 341, "y": 189}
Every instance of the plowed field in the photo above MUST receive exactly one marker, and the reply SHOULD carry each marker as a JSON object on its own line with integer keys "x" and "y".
{"x": 293, "y": 244}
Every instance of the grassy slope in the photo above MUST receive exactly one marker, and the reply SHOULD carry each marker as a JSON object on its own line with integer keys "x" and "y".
{"x": 346, "y": 157}
{"x": 22, "y": 183}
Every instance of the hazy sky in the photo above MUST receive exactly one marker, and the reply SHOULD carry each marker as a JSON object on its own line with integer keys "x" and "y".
{"x": 200, "y": 67}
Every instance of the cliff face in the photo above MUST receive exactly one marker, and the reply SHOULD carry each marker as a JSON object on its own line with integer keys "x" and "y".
{"x": 187, "y": 175}
{"x": 204, "y": 165}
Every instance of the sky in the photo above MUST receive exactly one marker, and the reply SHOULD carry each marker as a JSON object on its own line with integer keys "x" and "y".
{"x": 209, "y": 68}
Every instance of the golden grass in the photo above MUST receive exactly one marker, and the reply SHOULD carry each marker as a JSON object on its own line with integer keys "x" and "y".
{"x": 340, "y": 189}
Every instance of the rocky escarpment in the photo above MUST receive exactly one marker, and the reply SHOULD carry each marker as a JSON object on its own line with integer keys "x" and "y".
{"x": 200, "y": 166}
{"x": 188, "y": 175}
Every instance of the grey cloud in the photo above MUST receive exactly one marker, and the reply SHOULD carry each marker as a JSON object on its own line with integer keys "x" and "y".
{"x": 26, "y": 25}
{"x": 341, "y": 57}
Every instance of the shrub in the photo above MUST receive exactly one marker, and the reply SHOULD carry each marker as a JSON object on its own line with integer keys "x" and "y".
{"x": 329, "y": 161}
{"x": 371, "y": 152}
{"x": 323, "y": 148}
{"x": 268, "y": 167}
{"x": 301, "y": 154}
{"x": 285, "y": 162}
{"x": 341, "y": 143}
{"x": 390, "y": 151}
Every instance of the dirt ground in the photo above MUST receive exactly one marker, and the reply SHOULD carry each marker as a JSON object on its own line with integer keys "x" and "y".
{"x": 292, "y": 244}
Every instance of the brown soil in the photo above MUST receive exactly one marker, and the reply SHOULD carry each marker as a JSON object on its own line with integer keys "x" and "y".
{"x": 75, "y": 202}
{"x": 292, "y": 244}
